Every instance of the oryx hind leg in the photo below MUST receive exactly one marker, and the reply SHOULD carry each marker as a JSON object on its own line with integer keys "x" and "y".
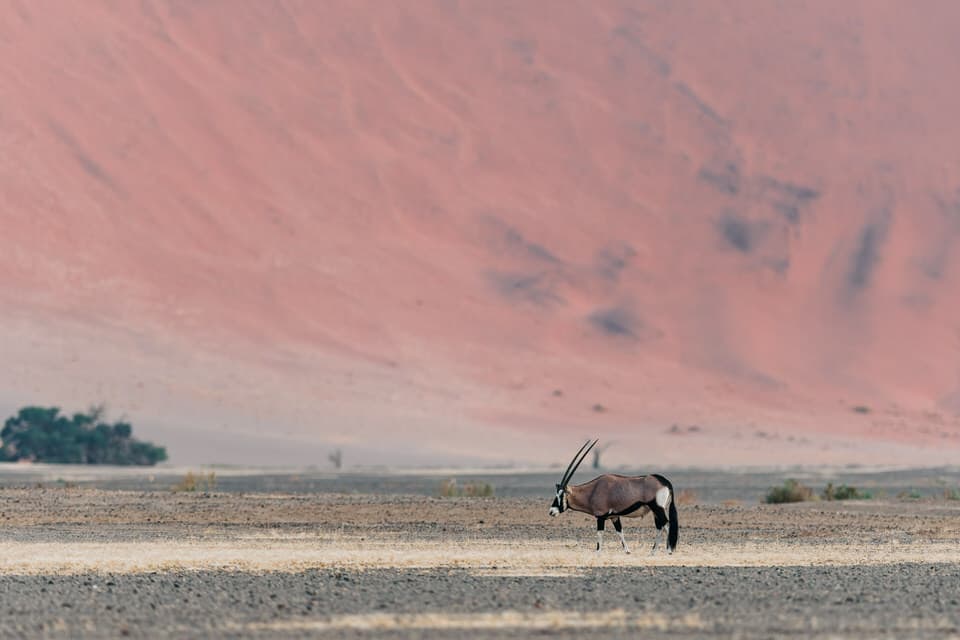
{"x": 600, "y": 523}
{"x": 656, "y": 541}
{"x": 659, "y": 508}
{"x": 619, "y": 528}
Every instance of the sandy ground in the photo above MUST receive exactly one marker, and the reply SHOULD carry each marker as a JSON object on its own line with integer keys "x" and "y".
{"x": 81, "y": 562}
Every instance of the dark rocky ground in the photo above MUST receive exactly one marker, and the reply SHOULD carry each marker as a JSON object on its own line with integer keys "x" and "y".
{"x": 847, "y": 599}
{"x": 909, "y": 600}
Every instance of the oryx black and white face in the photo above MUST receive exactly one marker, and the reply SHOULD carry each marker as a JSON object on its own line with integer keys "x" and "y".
{"x": 559, "y": 501}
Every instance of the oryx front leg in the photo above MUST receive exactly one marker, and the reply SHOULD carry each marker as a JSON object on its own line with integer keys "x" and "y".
{"x": 619, "y": 528}
{"x": 600, "y": 522}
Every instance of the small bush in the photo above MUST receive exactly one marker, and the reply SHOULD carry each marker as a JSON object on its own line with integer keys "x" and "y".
{"x": 913, "y": 494}
{"x": 791, "y": 491}
{"x": 193, "y": 482}
{"x": 450, "y": 489}
{"x": 861, "y": 409}
{"x": 843, "y": 492}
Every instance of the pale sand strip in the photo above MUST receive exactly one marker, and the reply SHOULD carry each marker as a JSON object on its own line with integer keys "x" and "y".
{"x": 530, "y": 621}
{"x": 268, "y": 552}
{"x": 614, "y": 619}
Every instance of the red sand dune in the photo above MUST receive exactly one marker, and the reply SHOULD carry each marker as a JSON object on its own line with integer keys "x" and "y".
{"x": 441, "y": 231}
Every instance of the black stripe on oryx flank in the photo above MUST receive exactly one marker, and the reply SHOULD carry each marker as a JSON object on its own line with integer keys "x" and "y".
{"x": 633, "y": 508}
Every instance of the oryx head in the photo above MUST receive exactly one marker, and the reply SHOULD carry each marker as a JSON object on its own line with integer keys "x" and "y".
{"x": 560, "y": 499}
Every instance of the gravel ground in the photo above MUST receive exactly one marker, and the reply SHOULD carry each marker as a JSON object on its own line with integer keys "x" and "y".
{"x": 908, "y": 600}
{"x": 81, "y": 562}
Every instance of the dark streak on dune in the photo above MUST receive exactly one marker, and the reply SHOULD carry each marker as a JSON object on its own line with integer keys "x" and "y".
{"x": 867, "y": 253}
{"x": 788, "y": 199}
{"x": 700, "y": 104}
{"x": 799, "y": 193}
{"x": 740, "y": 233}
{"x": 509, "y": 240}
{"x": 777, "y": 265}
{"x": 626, "y": 34}
{"x": 89, "y": 165}
{"x": 725, "y": 177}
{"x": 536, "y": 289}
{"x": 516, "y": 241}
{"x": 616, "y": 321}
{"x": 611, "y": 261}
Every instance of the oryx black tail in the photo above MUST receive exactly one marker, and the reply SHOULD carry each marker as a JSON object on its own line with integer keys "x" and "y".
{"x": 673, "y": 533}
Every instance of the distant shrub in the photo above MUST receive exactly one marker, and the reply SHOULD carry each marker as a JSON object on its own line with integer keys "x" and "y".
{"x": 194, "y": 482}
{"x": 843, "y": 492}
{"x": 949, "y": 493}
{"x": 686, "y": 496}
{"x": 912, "y": 494}
{"x": 42, "y": 434}
{"x": 861, "y": 409}
{"x": 450, "y": 489}
{"x": 791, "y": 491}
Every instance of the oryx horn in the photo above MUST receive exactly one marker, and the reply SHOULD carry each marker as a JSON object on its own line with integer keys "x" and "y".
{"x": 577, "y": 459}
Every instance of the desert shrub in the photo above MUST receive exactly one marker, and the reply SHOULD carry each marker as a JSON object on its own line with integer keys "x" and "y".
{"x": 949, "y": 492}
{"x": 790, "y": 491}
{"x": 912, "y": 494}
{"x": 43, "y": 434}
{"x": 843, "y": 492}
{"x": 450, "y": 489}
{"x": 196, "y": 482}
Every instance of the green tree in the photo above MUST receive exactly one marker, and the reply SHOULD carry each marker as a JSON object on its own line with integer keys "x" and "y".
{"x": 42, "y": 434}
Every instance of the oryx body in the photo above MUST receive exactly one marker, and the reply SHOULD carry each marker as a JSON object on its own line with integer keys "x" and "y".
{"x": 612, "y": 496}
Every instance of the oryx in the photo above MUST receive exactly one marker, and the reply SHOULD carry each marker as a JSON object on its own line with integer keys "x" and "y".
{"x": 612, "y": 496}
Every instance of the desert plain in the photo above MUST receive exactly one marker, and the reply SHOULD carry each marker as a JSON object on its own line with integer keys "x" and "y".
{"x": 277, "y": 554}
